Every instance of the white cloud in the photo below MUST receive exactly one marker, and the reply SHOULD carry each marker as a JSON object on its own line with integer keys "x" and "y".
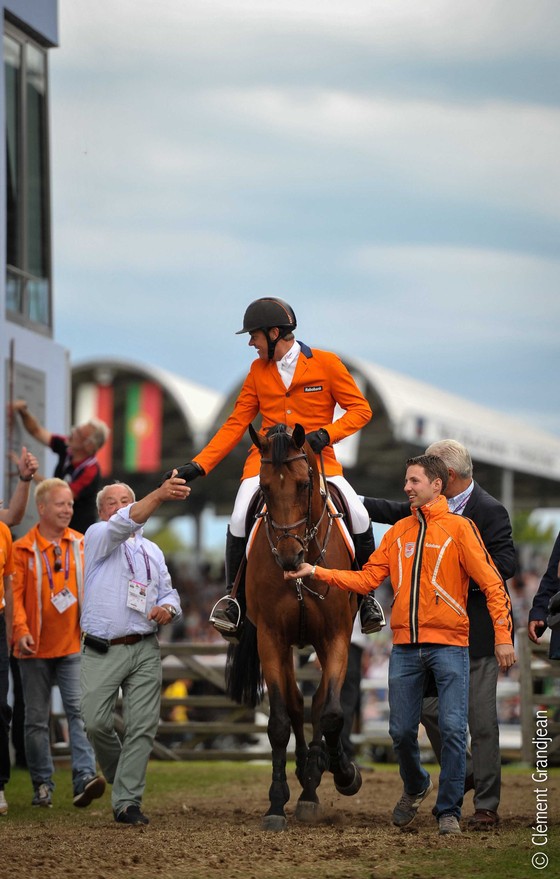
{"x": 213, "y": 28}
{"x": 507, "y": 152}
{"x": 375, "y": 158}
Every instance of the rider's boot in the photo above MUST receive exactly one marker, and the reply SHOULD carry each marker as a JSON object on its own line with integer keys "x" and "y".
{"x": 372, "y": 617}
{"x": 226, "y": 615}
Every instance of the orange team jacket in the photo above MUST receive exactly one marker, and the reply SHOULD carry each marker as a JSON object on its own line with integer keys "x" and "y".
{"x": 55, "y": 634}
{"x": 429, "y": 557}
{"x": 320, "y": 382}
{"x": 6, "y": 564}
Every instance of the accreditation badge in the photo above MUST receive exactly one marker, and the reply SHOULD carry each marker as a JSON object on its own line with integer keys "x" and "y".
{"x": 137, "y": 598}
{"x": 63, "y": 600}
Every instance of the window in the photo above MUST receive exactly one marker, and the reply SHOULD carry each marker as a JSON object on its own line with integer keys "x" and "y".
{"x": 28, "y": 233}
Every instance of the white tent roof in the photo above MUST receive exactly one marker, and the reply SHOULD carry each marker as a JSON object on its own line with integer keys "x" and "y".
{"x": 419, "y": 413}
{"x": 490, "y": 436}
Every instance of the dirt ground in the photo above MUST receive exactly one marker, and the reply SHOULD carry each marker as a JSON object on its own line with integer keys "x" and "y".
{"x": 213, "y": 836}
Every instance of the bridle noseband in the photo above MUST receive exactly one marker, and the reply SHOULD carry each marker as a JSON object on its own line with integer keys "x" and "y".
{"x": 287, "y": 531}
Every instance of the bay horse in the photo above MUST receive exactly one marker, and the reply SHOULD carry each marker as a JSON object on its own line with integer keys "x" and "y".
{"x": 296, "y": 524}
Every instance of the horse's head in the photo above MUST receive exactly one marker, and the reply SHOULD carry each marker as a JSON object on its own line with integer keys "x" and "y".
{"x": 289, "y": 480}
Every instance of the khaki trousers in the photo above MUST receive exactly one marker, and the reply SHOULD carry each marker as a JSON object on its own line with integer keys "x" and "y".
{"x": 136, "y": 670}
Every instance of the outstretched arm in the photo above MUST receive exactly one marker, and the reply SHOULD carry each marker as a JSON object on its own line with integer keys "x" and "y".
{"x": 30, "y": 423}
{"x": 173, "y": 489}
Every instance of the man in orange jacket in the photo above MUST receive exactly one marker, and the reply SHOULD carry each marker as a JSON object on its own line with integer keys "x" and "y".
{"x": 430, "y": 557}
{"x": 47, "y": 590}
{"x": 288, "y": 383}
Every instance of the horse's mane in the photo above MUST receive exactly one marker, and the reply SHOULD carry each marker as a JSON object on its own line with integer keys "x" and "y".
{"x": 281, "y": 441}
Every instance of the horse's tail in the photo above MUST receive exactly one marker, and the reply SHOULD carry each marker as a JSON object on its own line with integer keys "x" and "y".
{"x": 244, "y": 679}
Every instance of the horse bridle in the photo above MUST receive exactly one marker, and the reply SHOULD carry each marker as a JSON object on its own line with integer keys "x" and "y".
{"x": 311, "y": 530}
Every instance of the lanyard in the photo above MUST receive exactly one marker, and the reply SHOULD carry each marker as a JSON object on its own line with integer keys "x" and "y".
{"x": 130, "y": 561}
{"x": 71, "y": 476}
{"x": 50, "y": 571}
{"x": 460, "y": 507}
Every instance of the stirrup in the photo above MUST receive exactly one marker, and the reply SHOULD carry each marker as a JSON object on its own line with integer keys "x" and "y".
{"x": 222, "y": 623}
{"x": 378, "y": 622}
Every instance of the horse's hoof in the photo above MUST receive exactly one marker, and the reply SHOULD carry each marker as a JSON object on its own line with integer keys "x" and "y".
{"x": 348, "y": 790}
{"x": 307, "y": 811}
{"x": 276, "y": 823}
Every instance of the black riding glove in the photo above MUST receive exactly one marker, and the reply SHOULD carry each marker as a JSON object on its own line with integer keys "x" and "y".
{"x": 318, "y": 439}
{"x": 188, "y": 472}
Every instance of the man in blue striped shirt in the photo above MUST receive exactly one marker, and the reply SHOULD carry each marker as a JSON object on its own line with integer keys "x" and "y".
{"x": 128, "y": 594}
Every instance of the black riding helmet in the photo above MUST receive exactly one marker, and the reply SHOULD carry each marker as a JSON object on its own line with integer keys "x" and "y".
{"x": 268, "y": 312}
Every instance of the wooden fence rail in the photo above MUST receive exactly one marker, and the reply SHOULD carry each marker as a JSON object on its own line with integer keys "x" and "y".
{"x": 539, "y": 692}
{"x": 200, "y": 722}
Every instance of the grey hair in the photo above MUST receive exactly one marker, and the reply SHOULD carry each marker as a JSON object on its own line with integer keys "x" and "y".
{"x": 100, "y": 494}
{"x": 100, "y": 433}
{"x": 454, "y": 455}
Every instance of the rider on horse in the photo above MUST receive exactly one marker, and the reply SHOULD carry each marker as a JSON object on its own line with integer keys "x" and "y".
{"x": 288, "y": 383}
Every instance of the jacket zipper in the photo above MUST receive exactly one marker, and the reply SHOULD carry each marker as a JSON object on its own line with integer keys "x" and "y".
{"x": 415, "y": 579}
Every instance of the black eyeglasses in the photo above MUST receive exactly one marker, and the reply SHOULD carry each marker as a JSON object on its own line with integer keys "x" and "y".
{"x": 57, "y": 561}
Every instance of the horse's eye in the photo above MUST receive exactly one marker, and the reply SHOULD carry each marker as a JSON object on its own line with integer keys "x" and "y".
{"x": 305, "y": 486}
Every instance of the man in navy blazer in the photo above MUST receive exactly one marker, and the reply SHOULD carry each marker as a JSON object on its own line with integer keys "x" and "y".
{"x": 549, "y": 586}
{"x": 465, "y": 497}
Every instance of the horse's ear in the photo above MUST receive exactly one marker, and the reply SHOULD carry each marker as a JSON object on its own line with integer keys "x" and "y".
{"x": 298, "y": 436}
{"x": 255, "y": 437}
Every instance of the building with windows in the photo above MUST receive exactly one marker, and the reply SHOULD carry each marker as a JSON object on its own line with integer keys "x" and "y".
{"x": 34, "y": 366}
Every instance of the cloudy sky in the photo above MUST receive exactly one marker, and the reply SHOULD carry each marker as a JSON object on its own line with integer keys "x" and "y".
{"x": 391, "y": 168}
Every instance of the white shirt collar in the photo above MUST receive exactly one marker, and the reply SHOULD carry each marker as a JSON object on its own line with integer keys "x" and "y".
{"x": 287, "y": 365}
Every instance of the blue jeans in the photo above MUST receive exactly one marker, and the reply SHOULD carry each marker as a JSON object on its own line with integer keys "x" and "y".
{"x": 38, "y": 676}
{"x": 408, "y": 667}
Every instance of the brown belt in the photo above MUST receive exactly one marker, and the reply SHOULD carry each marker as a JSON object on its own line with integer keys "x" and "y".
{"x": 130, "y": 639}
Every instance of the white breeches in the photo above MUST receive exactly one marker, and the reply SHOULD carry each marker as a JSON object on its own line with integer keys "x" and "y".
{"x": 358, "y": 513}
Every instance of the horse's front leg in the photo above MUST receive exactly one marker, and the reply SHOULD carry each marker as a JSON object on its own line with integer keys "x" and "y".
{"x": 316, "y": 762}
{"x": 279, "y": 736}
{"x": 295, "y": 708}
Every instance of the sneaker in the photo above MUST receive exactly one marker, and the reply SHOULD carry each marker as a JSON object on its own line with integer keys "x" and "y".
{"x": 42, "y": 796}
{"x": 93, "y": 789}
{"x": 3, "y": 803}
{"x": 448, "y": 824}
{"x": 131, "y": 815}
{"x": 405, "y": 811}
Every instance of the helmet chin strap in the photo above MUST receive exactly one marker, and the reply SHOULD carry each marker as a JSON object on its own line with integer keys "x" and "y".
{"x": 272, "y": 343}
